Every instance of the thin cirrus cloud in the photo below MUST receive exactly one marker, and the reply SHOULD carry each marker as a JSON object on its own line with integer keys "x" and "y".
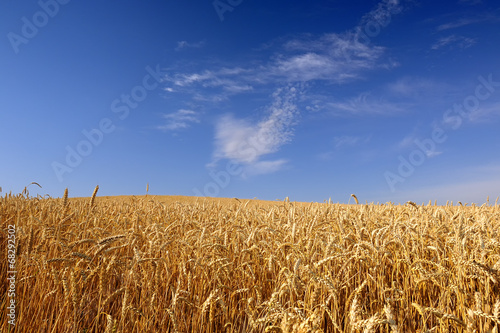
{"x": 365, "y": 104}
{"x": 331, "y": 57}
{"x": 211, "y": 85}
{"x": 180, "y": 119}
{"x": 482, "y": 18}
{"x": 453, "y": 41}
{"x": 458, "y": 23}
{"x": 336, "y": 57}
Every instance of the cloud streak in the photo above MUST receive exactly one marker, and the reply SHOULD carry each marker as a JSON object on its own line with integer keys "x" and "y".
{"x": 179, "y": 120}
{"x": 453, "y": 41}
{"x": 462, "y": 22}
{"x": 365, "y": 104}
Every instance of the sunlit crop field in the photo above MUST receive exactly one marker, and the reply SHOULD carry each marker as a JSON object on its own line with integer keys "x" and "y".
{"x": 177, "y": 264}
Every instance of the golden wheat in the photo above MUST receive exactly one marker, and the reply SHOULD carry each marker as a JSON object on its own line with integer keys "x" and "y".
{"x": 181, "y": 264}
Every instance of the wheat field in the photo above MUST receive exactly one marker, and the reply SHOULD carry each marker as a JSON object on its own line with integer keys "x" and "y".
{"x": 179, "y": 264}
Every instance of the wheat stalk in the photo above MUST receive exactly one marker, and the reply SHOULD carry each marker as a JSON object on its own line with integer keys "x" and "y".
{"x": 92, "y": 199}
{"x": 355, "y": 198}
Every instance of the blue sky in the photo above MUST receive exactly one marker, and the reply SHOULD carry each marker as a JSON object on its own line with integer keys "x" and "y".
{"x": 391, "y": 100}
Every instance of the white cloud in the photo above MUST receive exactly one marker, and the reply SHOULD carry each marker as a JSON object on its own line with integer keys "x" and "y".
{"x": 453, "y": 41}
{"x": 188, "y": 79}
{"x": 341, "y": 56}
{"x": 245, "y": 142}
{"x": 236, "y": 89}
{"x": 179, "y": 120}
{"x": 432, "y": 153}
{"x": 304, "y": 67}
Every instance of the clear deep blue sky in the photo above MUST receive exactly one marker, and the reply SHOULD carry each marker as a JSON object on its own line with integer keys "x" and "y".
{"x": 390, "y": 100}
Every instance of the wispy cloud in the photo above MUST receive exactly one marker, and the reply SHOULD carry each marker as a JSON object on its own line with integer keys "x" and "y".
{"x": 453, "y": 41}
{"x": 338, "y": 56}
{"x": 464, "y": 21}
{"x": 458, "y": 23}
{"x": 415, "y": 141}
{"x": 485, "y": 112}
{"x": 179, "y": 120}
{"x": 344, "y": 142}
{"x": 365, "y": 103}
{"x": 415, "y": 87}
{"x": 245, "y": 142}
{"x": 332, "y": 57}
{"x": 335, "y": 57}
{"x": 408, "y": 140}
{"x": 212, "y": 85}
{"x": 184, "y": 45}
